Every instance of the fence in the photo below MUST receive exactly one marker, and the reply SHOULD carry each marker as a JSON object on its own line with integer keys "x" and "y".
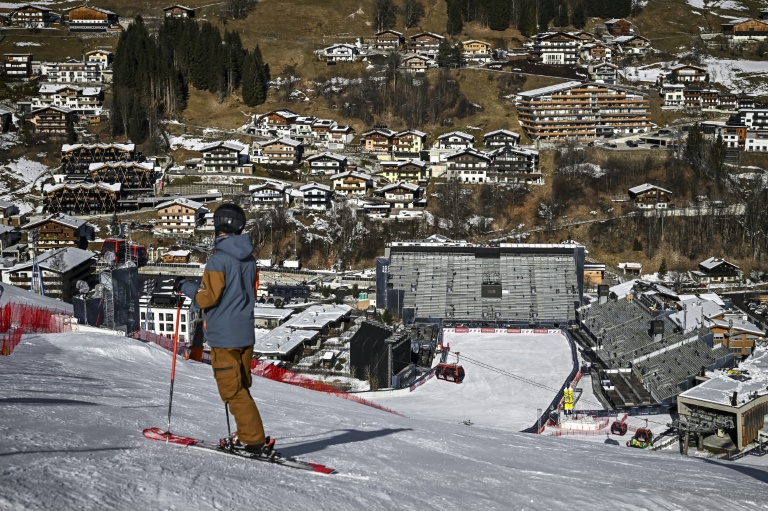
{"x": 18, "y": 319}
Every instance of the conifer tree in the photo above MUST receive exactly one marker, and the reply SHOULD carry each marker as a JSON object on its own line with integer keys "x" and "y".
{"x": 455, "y": 22}
{"x": 499, "y": 14}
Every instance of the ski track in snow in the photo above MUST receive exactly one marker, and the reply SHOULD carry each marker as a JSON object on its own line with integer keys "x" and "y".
{"x": 72, "y": 407}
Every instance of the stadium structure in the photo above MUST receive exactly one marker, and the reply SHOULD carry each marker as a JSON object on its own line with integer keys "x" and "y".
{"x": 438, "y": 279}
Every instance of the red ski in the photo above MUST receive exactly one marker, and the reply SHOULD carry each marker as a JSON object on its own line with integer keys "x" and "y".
{"x": 185, "y": 441}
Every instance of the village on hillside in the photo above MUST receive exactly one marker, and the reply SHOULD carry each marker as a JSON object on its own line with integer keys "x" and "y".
{"x": 571, "y": 175}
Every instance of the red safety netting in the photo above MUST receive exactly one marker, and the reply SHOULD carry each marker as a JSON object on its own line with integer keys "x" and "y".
{"x": 160, "y": 340}
{"x": 18, "y": 319}
{"x": 275, "y": 373}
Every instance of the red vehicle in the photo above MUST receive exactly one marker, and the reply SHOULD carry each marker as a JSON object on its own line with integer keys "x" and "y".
{"x": 450, "y": 372}
{"x": 122, "y": 248}
{"x": 619, "y": 428}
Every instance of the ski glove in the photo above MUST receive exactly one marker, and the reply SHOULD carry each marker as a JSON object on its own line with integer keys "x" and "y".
{"x": 177, "y": 284}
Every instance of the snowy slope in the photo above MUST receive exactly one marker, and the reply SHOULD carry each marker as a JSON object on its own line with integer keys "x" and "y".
{"x": 72, "y": 407}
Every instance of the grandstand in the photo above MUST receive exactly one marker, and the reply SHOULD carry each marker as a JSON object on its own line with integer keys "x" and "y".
{"x": 440, "y": 279}
{"x": 647, "y": 357}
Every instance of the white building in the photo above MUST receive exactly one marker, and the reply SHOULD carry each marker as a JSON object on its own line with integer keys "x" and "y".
{"x": 179, "y": 217}
{"x": 340, "y": 52}
{"x": 316, "y": 196}
{"x": 81, "y": 100}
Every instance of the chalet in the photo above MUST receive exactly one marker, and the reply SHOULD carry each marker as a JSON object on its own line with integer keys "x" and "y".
{"x": 378, "y": 140}
{"x": 326, "y": 163}
{"x": 83, "y": 101}
{"x": 467, "y": 166}
{"x": 584, "y": 36}
{"x": 409, "y": 142}
{"x": 632, "y": 45}
{"x": 414, "y": 63}
{"x": 81, "y": 198}
{"x": 179, "y": 217}
{"x": 351, "y": 183}
{"x": 746, "y": 29}
{"x": 54, "y": 120}
{"x": 410, "y": 171}
{"x": 9, "y": 237}
{"x": 280, "y": 151}
{"x": 60, "y": 230}
{"x": 91, "y": 19}
{"x": 738, "y": 335}
{"x": 402, "y": 195}
{"x": 595, "y": 51}
{"x": 500, "y": 138}
{"x": 710, "y": 99}
{"x": 135, "y": 177}
{"x": 301, "y": 127}
{"x": 426, "y": 44}
{"x": 728, "y": 101}
{"x": 276, "y": 123}
{"x": 225, "y": 157}
{"x": 176, "y": 257}
{"x": 341, "y": 52}
{"x": 692, "y": 97}
{"x": 603, "y": 72}
{"x": 339, "y": 137}
{"x": 316, "y": 196}
{"x": 717, "y": 271}
{"x": 556, "y": 49}
{"x": 8, "y": 211}
{"x": 688, "y": 73}
{"x": 756, "y": 141}
{"x": 32, "y": 16}
{"x": 270, "y": 195}
{"x": 618, "y": 27}
{"x": 18, "y": 65}
{"x": 179, "y": 11}
{"x": 631, "y": 268}
{"x": 76, "y": 158}
{"x": 73, "y": 71}
{"x": 388, "y": 40}
{"x": 102, "y": 58}
{"x": 672, "y": 94}
{"x": 594, "y": 273}
{"x": 475, "y": 50}
{"x": 455, "y": 140}
{"x": 59, "y": 269}
{"x": 321, "y": 127}
{"x": 511, "y": 164}
{"x": 648, "y": 196}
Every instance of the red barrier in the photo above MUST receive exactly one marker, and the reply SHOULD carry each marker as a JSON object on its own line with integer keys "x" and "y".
{"x": 17, "y": 320}
{"x": 160, "y": 340}
{"x": 275, "y": 373}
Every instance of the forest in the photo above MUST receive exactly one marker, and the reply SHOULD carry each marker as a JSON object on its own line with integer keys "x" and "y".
{"x": 153, "y": 72}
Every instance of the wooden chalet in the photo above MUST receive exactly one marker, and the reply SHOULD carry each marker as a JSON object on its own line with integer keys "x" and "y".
{"x": 179, "y": 11}
{"x": 596, "y": 51}
{"x": 179, "y": 217}
{"x": 326, "y": 163}
{"x": 87, "y": 18}
{"x": 59, "y": 269}
{"x": 414, "y": 63}
{"x": 281, "y": 151}
{"x": 402, "y": 195}
{"x": 409, "y": 142}
{"x": 411, "y": 171}
{"x": 388, "y": 40}
{"x": 32, "y": 16}
{"x": 603, "y": 72}
{"x": 60, "y": 230}
{"x": 633, "y": 44}
{"x": 456, "y": 140}
{"x": 176, "y": 257}
{"x": 81, "y": 198}
{"x": 340, "y": 136}
{"x": 511, "y": 164}
{"x": 618, "y": 27}
{"x": 716, "y": 270}
{"x": 556, "y": 49}
{"x": 688, "y": 73}
{"x": 351, "y": 183}
{"x": 270, "y": 195}
{"x": 425, "y": 43}
{"x": 378, "y": 140}
{"x": 316, "y": 196}
{"x": 744, "y": 29}
{"x": 53, "y": 120}
{"x": 500, "y": 138}
{"x": 133, "y": 176}
{"x": 17, "y": 65}
{"x": 476, "y": 50}
{"x": 103, "y": 58}
{"x": 467, "y": 166}
{"x": 226, "y": 156}
{"x": 648, "y": 196}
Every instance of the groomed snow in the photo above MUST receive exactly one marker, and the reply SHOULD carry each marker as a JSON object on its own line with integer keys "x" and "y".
{"x": 72, "y": 407}
{"x": 487, "y": 397}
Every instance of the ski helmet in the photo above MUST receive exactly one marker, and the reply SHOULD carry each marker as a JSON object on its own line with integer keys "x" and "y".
{"x": 229, "y": 218}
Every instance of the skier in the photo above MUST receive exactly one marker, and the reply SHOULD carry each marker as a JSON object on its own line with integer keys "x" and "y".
{"x": 227, "y": 296}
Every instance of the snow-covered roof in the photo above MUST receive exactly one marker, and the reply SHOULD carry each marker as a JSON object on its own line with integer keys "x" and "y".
{"x": 313, "y": 185}
{"x": 53, "y": 88}
{"x": 720, "y": 388}
{"x": 637, "y": 190}
{"x": 501, "y": 132}
{"x": 13, "y": 294}
{"x": 178, "y": 253}
{"x": 283, "y": 140}
{"x": 470, "y": 151}
{"x": 738, "y": 325}
{"x": 333, "y": 156}
{"x": 71, "y": 147}
{"x": 459, "y": 134}
{"x": 116, "y": 164}
{"x": 714, "y": 262}
{"x": 401, "y": 163}
{"x": 183, "y": 202}
{"x": 341, "y": 129}
{"x": 60, "y": 218}
{"x": 261, "y": 311}
{"x": 351, "y": 173}
{"x": 300, "y": 328}
{"x": 412, "y": 132}
{"x": 402, "y": 184}
{"x": 623, "y": 289}
{"x": 60, "y": 260}
{"x": 76, "y": 186}
{"x": 61, "y": 109}
{"x": 235, "y": 146}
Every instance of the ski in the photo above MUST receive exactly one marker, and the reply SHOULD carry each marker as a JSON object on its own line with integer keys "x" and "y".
{"x": 185, "y": 441}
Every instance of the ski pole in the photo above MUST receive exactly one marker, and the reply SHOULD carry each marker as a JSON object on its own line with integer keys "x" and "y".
{"x": 229, "y": 430}
{"x": 179, "y": 301}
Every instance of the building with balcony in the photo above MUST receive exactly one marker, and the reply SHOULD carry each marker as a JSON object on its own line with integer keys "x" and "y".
{"x": 59, "y": 231}
{"x": 72, "y": 71}
{"x": 402, "y": 195}
{"x": 426, "y": 44}
{"x": 83, "y": 101}
{"x": 87, "y": 18}
{"x": 280, "y": 151}
{"x": 352, "y": 183}
{"x": 511, "y": 164}
{"x": 270, "y": 195}
{"x": 179, "y": 11}
{"x": 409, "y": 171}
{"x": 231, "y": 157}
{"x": 54, "y": 120}
{"x": 81, "y": 198}
{"x": 467, "y": 166}
{"x": 17, "y": 65}
{"x": 316, "y": 196}
{"x": 556, "y": 49}
{"x": 32, "y": 16}
{"x": 59, "y": 271}
{"x": 455, "y": 140}
{"x": 326, "y": 163}
{"x": 179, "y": 217}
{"x": 500, "y": 138}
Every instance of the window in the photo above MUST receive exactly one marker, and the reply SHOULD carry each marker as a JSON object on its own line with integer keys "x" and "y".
{"x": 169, "y": 317}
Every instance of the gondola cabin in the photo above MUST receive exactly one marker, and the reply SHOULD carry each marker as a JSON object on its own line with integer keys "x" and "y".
{"x": 122, "y": 249}
{"x": 619, "y": 428}
{"x": 450, "y": 372}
